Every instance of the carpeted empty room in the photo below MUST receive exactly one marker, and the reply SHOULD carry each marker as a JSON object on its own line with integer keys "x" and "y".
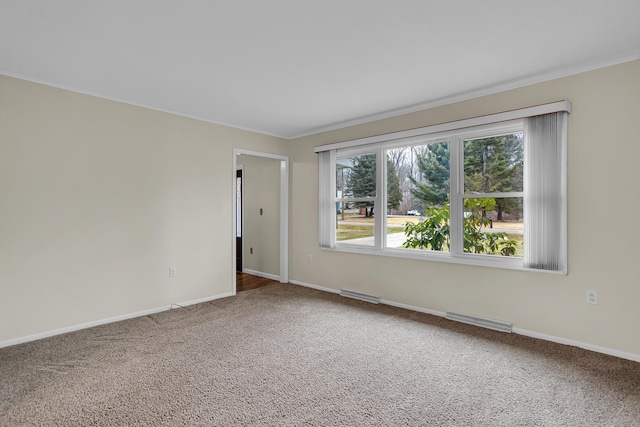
{"x": 290, "y": 355}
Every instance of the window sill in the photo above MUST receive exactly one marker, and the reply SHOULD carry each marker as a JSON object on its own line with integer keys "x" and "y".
{"x": 474, "y": 260}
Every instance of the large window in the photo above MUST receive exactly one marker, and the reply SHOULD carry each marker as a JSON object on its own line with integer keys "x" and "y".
{"x": 474, "y": 194}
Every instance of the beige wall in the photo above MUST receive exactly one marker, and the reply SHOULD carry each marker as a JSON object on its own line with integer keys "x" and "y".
{"x": 603, "y": 232}
{"x": 261, "y": 179}
{"x": 98, "y": 199}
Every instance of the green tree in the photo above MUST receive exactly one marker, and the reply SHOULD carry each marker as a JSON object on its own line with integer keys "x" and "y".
{"x": 362, "y": 181}
{"x": 394, "y": 195}
{"x": 433, "y": 190}
{"x": 495, "y": 164}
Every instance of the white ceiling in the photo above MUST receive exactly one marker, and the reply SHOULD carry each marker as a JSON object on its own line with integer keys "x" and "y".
{"x": 295, "y": 67}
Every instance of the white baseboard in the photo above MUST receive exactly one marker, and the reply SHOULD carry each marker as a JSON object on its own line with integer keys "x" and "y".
{"x": 413, "y": 308}
{"x": 519, "y": 331}
{"x": 73, "y": 328}
{"x": 586, "y": 346}
{"x": 261, "y": 274}
{"x": 201, "y": 300}
{"x": 47, "y": 334}
{"x": 319, "y": 288}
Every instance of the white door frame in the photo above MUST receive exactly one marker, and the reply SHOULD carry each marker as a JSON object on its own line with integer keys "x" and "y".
{"x": 239, "y": 168}
{"x": 284, "y": 211}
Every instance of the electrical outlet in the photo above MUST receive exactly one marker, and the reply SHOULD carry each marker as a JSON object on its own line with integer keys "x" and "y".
{"x": 172, "y": 272}
{"x": 309, "y": 258}
{"x": 592, "y": 297}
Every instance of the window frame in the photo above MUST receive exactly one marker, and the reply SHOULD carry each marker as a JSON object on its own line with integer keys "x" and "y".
{"x": 486, "y": 131}
{"x": 378, "y": 238}
{"x": 455, "y": 139}
{"x": 491, "y": 125}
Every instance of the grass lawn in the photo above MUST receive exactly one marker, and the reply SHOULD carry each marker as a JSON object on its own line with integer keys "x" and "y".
{"x": 520, "y": 239}
{"x": 396, "y": 220}
{"x": 402, "y": 220}
{"x": 349, "y": 231}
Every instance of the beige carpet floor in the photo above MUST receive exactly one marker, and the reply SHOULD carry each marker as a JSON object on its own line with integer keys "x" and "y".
{"x": 284, "y": 355}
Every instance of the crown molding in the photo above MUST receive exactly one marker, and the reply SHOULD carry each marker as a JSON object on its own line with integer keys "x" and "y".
{"x": 465, "y": 96}
{"x": 134, "y": 104}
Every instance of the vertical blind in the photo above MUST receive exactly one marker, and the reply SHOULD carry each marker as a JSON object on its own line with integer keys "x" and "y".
{"x": 545, "y": 197}
{"x": 327, "y": 205}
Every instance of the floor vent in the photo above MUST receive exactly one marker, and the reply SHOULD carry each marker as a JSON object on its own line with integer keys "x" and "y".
{"x": 362, "y": 297}
{"x": 496, "y": 325}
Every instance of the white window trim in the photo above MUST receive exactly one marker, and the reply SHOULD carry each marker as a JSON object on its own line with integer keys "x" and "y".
{"x": 454, "y": 132}
{"x": 457, "y": 125}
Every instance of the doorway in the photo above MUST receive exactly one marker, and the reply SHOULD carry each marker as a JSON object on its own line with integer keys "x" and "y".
{"x": 239, "y": 220}
{"x": 241, "y": 209}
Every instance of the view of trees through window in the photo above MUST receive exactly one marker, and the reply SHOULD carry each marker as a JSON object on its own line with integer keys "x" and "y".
{"x": 418, "y": 196}
{"x": 356, "y": 192}
{"x": 493, "y": 167}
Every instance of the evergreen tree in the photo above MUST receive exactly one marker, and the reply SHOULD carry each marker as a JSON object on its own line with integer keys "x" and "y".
{"x": 433, "y": 189}
{"x": 495, "y": 165}
{"x": 362, "y": 181}
{"x": 394, "y": 195}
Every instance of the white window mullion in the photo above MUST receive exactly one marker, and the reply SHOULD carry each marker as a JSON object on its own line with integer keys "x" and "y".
{"x": 456, "y": 177}
{"x": 380, "y": 211}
